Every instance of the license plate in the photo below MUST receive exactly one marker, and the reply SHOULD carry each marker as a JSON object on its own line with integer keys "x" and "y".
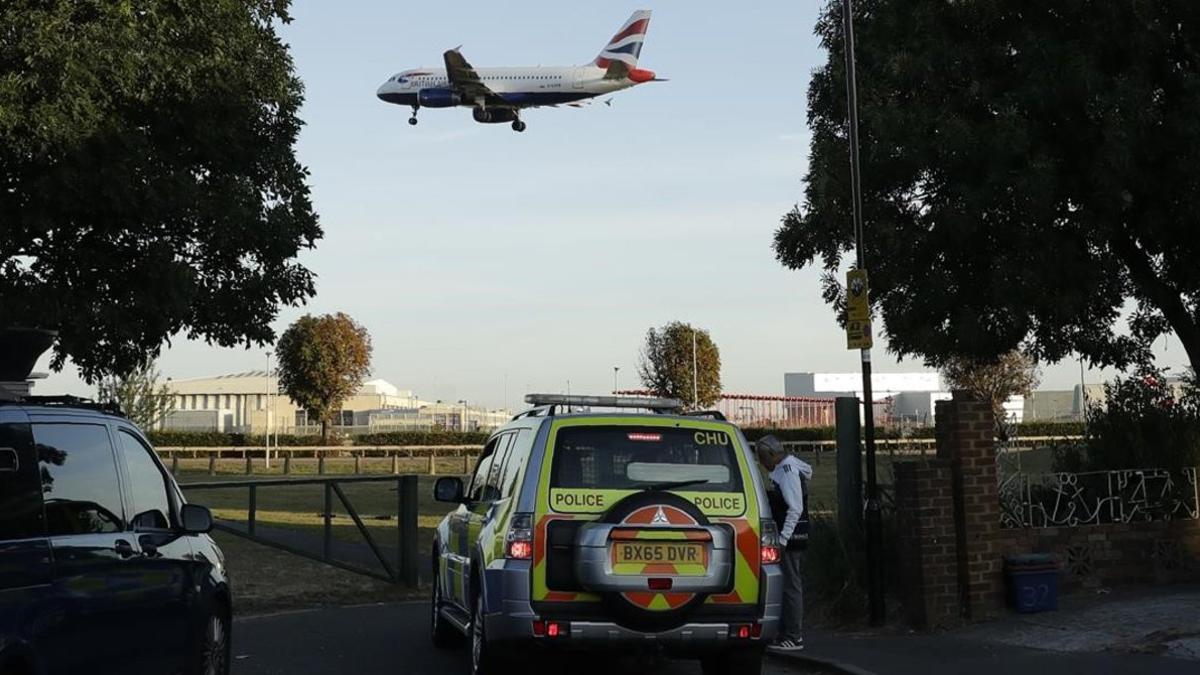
{"x": 654, "y": 552}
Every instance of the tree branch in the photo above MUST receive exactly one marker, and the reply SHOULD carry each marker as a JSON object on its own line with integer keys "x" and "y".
{"x": 1160, "y": 292}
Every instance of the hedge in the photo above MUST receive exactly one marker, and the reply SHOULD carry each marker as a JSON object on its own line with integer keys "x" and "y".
{"x": 218, "y": 439}
{"x": 196, "y": 439}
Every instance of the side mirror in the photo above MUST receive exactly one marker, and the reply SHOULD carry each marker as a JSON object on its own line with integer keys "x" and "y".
{"x": 448, "y": 489}
{"x": 196, "y": 519}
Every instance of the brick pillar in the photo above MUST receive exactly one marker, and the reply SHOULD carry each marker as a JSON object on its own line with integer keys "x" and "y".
{"x": 925, "y": 521}
{"x": 966, "y": 430}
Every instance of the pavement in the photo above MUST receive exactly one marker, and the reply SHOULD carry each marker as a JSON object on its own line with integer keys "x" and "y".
{"x": 1143, "y": 631}
{"x": 394, "y": 638}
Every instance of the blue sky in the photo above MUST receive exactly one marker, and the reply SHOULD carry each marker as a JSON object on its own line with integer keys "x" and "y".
{"x": 487, "y": 263}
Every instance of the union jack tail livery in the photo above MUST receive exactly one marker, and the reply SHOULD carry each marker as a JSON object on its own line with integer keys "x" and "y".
{"x": 626, "y": 45}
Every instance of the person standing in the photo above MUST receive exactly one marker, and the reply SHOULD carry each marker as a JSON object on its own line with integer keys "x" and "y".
{"x": 789, "y": 476}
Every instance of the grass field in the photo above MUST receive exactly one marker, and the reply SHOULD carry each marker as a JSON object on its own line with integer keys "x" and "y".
{"x": 266, "y": 580}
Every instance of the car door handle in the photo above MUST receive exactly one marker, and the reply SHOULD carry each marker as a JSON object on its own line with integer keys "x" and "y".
{"x": 124, "y": 548}
{"x": 149, "y": 548}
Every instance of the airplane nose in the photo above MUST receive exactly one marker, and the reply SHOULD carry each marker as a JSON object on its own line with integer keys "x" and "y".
{"x": 389, "y": 92}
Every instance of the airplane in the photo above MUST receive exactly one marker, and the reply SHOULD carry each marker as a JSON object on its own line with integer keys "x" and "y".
{"x": 498, "y": 95}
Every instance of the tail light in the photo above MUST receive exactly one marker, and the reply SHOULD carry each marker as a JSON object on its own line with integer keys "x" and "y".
{"x": 770, "y": 551}
{"x": 518, "y": 543}
{"x": 551, "y": 629}
{"x": 745, "y": 631}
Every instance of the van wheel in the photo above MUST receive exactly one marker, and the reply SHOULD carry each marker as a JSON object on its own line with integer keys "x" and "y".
{"x": 211, "y": 650}
{"x": 741, "y": 662}
{"x": 441, "y": 632}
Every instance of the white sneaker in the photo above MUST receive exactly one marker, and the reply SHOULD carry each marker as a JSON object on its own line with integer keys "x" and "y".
{"x": 789, "y": 645}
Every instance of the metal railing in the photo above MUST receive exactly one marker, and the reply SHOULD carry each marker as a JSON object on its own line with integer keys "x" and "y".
{"x": 922, "y": 446}
{"x": 404, "y": 571}
{"x": 1098, "y": 497}
{"x": 254, "y": 457}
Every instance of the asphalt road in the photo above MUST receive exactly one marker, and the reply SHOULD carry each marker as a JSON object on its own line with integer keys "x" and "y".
{"x": 385, "y": 639}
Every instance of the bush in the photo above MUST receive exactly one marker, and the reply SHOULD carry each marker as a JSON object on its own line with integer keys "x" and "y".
{"x": 423, "y": 438}
{"x": 1144, "y": 424}
{"x": 834, "y": 588}
{"x": 1048, "y": 428}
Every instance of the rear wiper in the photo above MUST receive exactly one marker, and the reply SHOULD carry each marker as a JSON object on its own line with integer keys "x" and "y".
{"x": 672, "y": 485}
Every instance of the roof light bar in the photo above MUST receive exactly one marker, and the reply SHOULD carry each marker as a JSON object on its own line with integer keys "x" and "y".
{"x": 605, "y": 401}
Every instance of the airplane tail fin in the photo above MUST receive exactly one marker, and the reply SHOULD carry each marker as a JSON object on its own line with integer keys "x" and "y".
{"x": 626, "y": 45}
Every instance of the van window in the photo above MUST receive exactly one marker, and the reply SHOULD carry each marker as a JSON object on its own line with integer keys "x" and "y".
{"x": 629, "y": 458}
{"x": 482, "y": 471}
{"x": 500, "y": 456}
{"x": 80, "y": 488}
{"x": 522, "y": 444}
{"x": 20, "y": 491}
{"x": 146, "y": 483}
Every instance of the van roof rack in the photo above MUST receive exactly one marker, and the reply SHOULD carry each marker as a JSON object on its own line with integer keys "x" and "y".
{"x": 715, "y": 414}
{"x": 67, "y": 401}
{"x": 546, "y": 405}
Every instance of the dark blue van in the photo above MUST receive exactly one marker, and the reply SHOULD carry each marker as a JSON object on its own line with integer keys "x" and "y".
{"x": 104, "y": 568}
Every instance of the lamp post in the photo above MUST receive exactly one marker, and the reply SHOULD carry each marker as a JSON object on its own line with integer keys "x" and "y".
{"x": 695, "y": 373}
{"x": 616, "y": 369}
{"x": 267, "y": 416}
{"x": 874, "y": 520}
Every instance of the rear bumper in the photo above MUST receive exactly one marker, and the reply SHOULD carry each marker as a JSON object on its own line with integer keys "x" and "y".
{"x": 510, "y": 616}
{"x": 690, "y": 638}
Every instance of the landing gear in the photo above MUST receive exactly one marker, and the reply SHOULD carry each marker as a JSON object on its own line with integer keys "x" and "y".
{"x": 518, "y": 126}
{"x": 413, "y": 120}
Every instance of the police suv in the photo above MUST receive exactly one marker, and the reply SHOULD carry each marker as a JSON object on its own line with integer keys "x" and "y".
{"x": 648, "y": 527}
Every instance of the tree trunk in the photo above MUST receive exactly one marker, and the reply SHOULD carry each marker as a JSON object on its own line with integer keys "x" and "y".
{"x": 1163, "y": 295}
{"x": 325, "y": 433}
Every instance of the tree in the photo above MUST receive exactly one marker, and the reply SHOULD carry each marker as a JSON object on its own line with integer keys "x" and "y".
{"x": 1029, "y": 170}
{"x": 1013, "y": 374}
{"x": 1144, "y": 424}
{"x": 139, "y": 395}
{"x": 666, "y": 365}
{"x": 322, "y": 361}
{"x": 148, "y": 180}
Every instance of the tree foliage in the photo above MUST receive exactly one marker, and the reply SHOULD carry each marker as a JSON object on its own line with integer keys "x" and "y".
{"x": 1013, "y": 374}
{"x": 148, "y": 181}
{"x": 1145, "y": 423}
{"x": 1028, "y": 171}
{"x": 322, "y": 361}
{"x": 139, "y": 394}
{"x": 666, "y": 366}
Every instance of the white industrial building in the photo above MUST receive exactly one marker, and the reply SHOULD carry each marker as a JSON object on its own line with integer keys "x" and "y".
{"x": 913, "y": 395}
{"x": 251, "y": 402}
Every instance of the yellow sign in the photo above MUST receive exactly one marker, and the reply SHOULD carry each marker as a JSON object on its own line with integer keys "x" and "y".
{"x": 858, "y": 335}
{"x": 858, "y": 310}
{"x": 858, "y": 306}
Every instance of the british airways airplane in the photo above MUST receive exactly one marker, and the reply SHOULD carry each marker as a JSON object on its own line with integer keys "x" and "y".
{"x": 499, "y": 94}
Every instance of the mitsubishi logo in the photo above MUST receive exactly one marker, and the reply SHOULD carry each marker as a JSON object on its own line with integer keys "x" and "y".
{"x": 660, "y": 518}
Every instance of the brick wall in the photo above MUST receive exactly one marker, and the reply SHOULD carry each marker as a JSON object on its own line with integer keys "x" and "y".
{"x": 967, "y": 441}
{"x": 952, "y": 547}
{"x": 1095, "y": 556}
{"x": 928, "y": 542}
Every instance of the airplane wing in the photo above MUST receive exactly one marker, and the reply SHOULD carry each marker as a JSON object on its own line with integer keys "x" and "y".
{"x": 464, "y": 78}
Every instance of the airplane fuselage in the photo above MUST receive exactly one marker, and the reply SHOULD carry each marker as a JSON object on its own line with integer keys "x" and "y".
{"x": 519, "y": 87}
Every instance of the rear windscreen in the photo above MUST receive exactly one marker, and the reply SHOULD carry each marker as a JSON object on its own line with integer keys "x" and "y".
{"x": 632, "y": 458}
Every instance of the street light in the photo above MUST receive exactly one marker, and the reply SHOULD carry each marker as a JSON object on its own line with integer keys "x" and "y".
{"x": 267, "y": 415}
{"x": 875, "y": 580}
{"x": 616, "y": 369}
